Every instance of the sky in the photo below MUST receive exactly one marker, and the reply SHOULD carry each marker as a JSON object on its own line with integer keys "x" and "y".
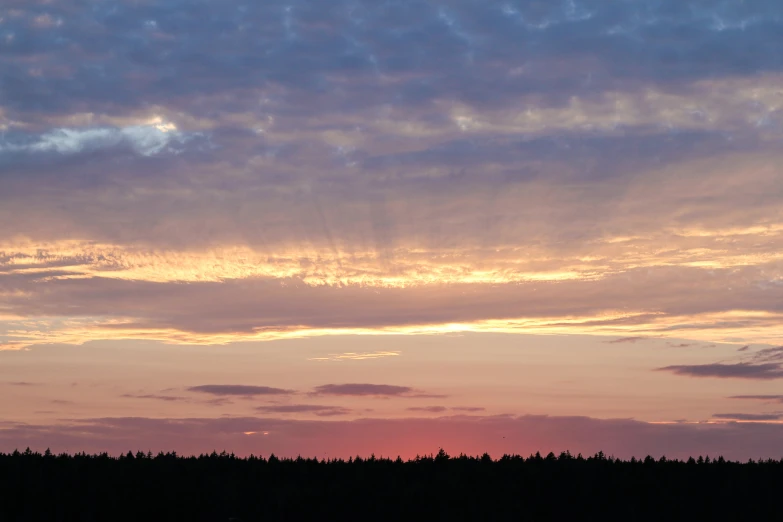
{"x": 354, "y": 227}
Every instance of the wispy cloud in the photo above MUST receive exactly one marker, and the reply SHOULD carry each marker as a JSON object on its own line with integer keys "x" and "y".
{"x": 728, "y": 371}
{"x": 623, "y": 340}
{"x": 769, "y": 355}
{"x": 361, "y": 390}
{"x": 765, "y": 398}
{"x": 428, "y": 409}
{"x": 356, "y": 356}
{"x": 320, "y": 410}
{"x": 372, "y": 390}
{"x": 748, "y": 416}
{"x": 165, "y": 398}
{"x": 238, "y": 389}
{"x": 146, "y": 140}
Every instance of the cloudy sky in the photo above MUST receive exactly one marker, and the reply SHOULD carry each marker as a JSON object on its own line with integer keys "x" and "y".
{"x": 345, "y": 227}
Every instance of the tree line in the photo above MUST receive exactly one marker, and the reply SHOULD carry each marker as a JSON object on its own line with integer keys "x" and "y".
{"x": 219, "y": 487}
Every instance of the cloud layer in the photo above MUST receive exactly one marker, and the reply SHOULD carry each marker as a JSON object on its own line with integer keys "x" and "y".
{"x": 406, "y": 437}
{"x": 198, "y": 174}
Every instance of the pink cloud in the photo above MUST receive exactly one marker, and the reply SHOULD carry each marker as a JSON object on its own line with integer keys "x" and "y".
{"x": 496, "y": 435}
{"x": 766, "y": 371}
{"x": 428, "y": 409}
{"x": 373, "y": 390}
{"x": 317, "y": 409}
{"x": 238, "y": 389}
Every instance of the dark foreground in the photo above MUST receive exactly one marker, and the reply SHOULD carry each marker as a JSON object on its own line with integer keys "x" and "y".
{"x": 214, "y": 488}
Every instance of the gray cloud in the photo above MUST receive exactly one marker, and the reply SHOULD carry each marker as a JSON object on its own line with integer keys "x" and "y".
{"x": 390, "y": 199}
{"x": 238, "y": 389}
{"x": 767, "y": 398}
{"x": 470, "y": 434}
{"x": 627, "y": 340}
{"x": 464, "y": 51}
{"x": 320, "y": 410}
{"x": 729, "y": 371}
{"x": 363, "y": 390}
{"x": 428, "y": 409}
{"x": 468, "y": 408}
{"x": 748, "y": 416}
{"x": 769, "y": 355}
{"x": 372, "y": 390}
{"x": 166, "y": 398}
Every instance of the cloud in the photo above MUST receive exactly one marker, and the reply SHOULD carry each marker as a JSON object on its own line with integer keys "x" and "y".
{"x": 146, "y": 140}
{"x": 166, "y": 398}
{"x": 218, "y": 401}
{"x": 412, "y": 169}
{"x": 744, "y": 348}
{"x": 428, "y": 409}
{"x": 748, "y": 416}
{"x": 468, "y": 408}
{"x": 626, "y": 340}
{"x": 465, "y": 51}
{"x": 21, "y": 383}
{"x": 361, "y": 390}
{"x": 473, "y": 435}
{"x": 356, "y": 356}
{"x": 372, "y": 390}
{"x": 321, "y": 411}
{"x": 238, "y": 389}
{"x": 728, "y": 371}
{"x": 767, "y": 398}
{"x": 769, "y": 355}
{"x": 209, "y": 313}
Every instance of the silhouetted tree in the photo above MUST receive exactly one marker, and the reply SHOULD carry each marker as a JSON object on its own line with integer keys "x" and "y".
{"x": 218, "y": 486}
{"x": 441, "y": 456}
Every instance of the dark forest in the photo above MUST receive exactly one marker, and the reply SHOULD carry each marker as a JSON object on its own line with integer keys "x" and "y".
{"x": 220, "y": 487}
